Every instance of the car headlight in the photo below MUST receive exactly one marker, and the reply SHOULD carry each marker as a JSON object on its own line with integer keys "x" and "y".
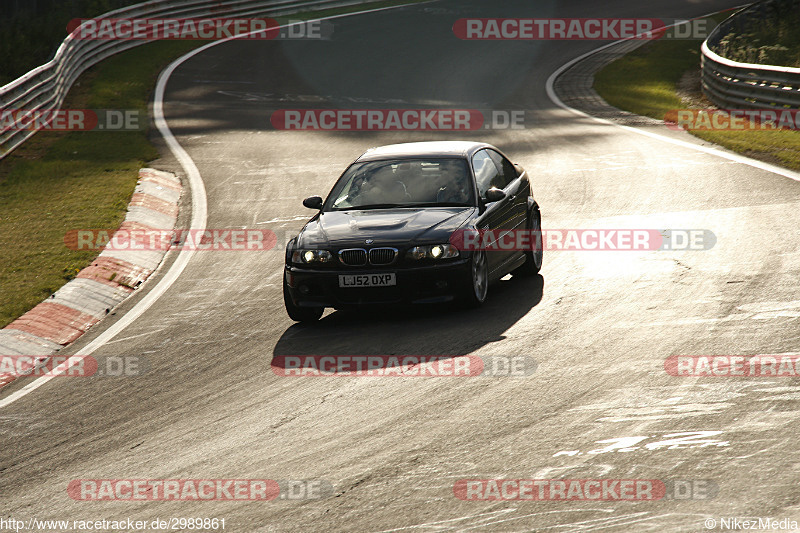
{"x": 305, "y": 257}
{"x": 433, "y": 251}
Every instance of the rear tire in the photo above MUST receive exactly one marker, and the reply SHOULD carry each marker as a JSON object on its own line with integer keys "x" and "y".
{"x": 297, "y": 313}
{"x": 533, "y": 257}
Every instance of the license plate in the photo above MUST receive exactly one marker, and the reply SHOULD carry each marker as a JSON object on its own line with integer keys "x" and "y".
{"x": 367, "y": 280}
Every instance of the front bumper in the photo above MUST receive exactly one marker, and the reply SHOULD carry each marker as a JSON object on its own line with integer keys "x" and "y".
{"x": 418, "y": 284}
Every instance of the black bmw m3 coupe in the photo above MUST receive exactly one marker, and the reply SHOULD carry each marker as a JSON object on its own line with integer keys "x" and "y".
{"x": 385, "y": 233}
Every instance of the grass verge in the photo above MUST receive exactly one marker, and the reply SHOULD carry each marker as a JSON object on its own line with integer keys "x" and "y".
{"x": 61, "y": 181}
{"x": 646, "y": 82}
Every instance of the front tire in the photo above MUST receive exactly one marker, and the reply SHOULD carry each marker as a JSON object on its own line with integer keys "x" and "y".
{"x": 297, "y": 313}
{"x": 534, "y": 256}
{"x": 479, "y": 280}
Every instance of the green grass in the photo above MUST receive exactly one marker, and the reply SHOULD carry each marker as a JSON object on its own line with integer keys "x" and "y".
{"x": 57, "y": 182}
{"x": 62, "y": 181}
{"x": 645, "y": 82}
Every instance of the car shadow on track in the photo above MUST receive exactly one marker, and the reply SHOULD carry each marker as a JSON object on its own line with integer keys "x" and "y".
{"x": 417, "y": 330}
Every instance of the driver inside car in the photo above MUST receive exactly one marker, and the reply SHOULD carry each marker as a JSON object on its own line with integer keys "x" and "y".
{"x": 383, "y": 187}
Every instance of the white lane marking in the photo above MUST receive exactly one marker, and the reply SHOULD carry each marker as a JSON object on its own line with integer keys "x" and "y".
{"x": 283, "y": 219}
{"x": 672, "y": 441}
{"x": 159, "y": 330}
{"x": 549, "y": 87}
{"x": 199, "y": 212}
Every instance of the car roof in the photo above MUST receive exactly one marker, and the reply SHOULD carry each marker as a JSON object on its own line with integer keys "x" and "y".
{"x": 423, "y": 149}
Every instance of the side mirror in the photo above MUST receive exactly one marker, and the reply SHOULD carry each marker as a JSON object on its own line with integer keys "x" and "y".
{"x": 494, "y": 195}
{"x": 313, "y": 202}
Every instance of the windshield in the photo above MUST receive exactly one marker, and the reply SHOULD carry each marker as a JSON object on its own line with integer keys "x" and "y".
{"x": 402, "y": 183}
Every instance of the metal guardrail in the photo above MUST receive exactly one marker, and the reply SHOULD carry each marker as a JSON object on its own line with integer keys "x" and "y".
{"x": 733, "y": 85}
{"x": 44, "y": 88}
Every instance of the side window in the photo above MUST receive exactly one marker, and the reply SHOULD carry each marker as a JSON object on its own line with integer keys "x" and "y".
{"x": 507, "y": 170}
{"x": 487, "y": 174}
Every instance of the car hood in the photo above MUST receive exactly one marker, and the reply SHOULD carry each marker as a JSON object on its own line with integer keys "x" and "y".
{"x": 339, "y": 229}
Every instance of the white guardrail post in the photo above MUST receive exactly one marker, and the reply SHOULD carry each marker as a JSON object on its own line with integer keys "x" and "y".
{"x": 733, "y": 85}
{"x": 44, "y": 88}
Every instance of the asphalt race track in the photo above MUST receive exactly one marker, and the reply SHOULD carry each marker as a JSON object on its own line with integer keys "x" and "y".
{"x": 599, "y": 325}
